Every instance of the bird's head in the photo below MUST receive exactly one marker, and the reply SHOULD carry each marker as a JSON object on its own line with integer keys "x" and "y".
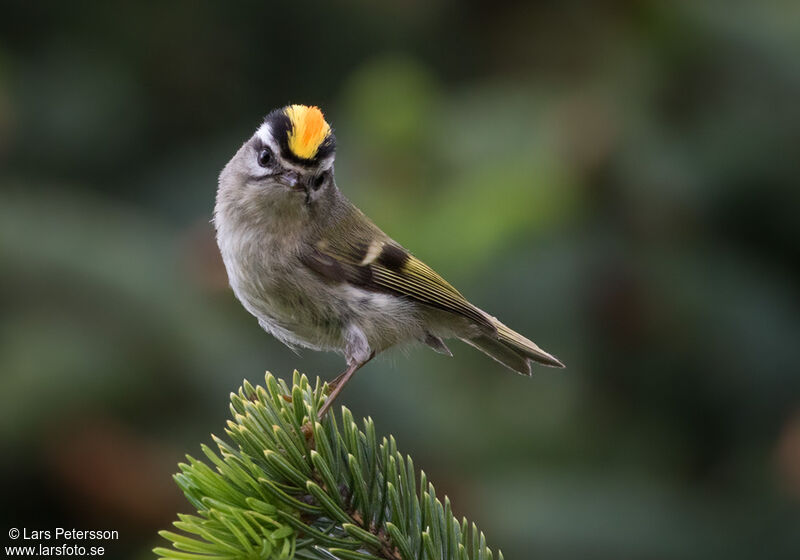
{"x": 287, "y": 162}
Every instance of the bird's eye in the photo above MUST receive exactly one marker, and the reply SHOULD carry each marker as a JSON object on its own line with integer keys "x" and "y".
{"x": 318, "y": 181}
{"x": 265, "y": 157}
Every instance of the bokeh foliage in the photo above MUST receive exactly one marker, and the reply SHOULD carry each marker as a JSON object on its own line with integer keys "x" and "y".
{"x": 618, "y": 181}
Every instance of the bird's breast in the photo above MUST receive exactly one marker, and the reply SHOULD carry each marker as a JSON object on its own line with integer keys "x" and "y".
{"x": 266, "y": 275}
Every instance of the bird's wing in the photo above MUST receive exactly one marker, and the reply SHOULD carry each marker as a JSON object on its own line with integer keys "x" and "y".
{"x": 363, "y": 255}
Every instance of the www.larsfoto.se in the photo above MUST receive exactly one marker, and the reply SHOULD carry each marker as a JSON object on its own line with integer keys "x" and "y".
{"x": 59, "y": 550}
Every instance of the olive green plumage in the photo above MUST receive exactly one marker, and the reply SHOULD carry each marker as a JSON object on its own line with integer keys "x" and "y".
{"x": 355, "y": 250}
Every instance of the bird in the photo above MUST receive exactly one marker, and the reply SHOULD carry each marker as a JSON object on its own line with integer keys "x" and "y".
{"x": 318, "y": 273}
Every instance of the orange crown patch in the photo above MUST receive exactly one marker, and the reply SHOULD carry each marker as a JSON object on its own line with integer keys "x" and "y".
{"x": 309, "y": 130}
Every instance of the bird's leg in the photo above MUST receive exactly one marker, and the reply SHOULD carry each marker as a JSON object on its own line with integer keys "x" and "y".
{"x": 339, "y": 378}
{"x": 340, "y": 381}
{"x": 333, "y": 383}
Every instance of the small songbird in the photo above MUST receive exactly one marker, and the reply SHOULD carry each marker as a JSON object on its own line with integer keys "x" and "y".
{"x": 317, "y": 273}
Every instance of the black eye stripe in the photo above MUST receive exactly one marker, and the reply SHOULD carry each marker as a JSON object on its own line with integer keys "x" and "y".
{"x": 318, "y": 181}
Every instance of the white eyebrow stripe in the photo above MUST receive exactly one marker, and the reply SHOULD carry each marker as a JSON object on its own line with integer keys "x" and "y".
{"x": 326, "y": 163}
{"x": 265, "y": 135}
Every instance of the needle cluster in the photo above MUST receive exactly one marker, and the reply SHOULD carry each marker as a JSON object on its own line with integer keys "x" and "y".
{"x": 291, "y": 486}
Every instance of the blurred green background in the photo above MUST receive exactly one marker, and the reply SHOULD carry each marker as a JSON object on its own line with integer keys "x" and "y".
{"x": 618, "y": 181}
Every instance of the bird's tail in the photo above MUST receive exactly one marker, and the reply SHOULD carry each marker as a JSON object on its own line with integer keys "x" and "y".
{"x": 512, "y": 349}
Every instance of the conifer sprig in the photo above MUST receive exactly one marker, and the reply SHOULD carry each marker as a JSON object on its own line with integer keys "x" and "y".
{"x": 290, "y": 486}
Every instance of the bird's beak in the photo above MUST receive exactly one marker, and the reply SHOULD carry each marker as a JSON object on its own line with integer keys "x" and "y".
{"x": 292, "y": 180}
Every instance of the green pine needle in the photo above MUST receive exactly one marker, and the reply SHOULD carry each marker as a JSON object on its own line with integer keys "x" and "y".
{"x": 289, "y": 488}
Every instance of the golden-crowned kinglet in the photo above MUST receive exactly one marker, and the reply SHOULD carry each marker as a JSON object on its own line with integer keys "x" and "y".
{"x": 316, "y": 272}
